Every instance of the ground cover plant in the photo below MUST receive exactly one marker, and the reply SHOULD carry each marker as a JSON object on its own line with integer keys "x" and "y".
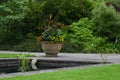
{"x": 2, "y": 55}
{"x": 111, "y": 72}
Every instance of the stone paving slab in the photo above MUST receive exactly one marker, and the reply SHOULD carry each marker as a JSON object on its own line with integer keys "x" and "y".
{"x": 84, "y": 57}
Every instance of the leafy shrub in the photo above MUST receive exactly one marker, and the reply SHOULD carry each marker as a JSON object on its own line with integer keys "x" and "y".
{"x": 107, "y": 26}
{"x": 24, "y": 62}
{"x": 29, "y": 45}
{"x": 11, "y": 19}
{"x": 67, "y": 11}
{"x": 63, "y": 11}
{"x": 80, "y": 34}
{"x": 1, "y": 1}
{"x": 70, "y": 47}
{"x": 107, "y": 22}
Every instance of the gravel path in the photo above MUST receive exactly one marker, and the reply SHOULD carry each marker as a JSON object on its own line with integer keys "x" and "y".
{"x": 74, "y": 56}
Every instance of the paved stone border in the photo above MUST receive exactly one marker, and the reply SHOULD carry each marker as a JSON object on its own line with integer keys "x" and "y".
{"x": 13, "y": 64}
{"x": 8, "y": 65}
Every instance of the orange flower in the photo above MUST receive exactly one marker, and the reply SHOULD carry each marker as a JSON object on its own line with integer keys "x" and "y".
{"x": 62, "y": 26}
{"x": 39, "y": 38}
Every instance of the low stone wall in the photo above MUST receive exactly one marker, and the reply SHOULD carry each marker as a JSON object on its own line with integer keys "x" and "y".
{"x": 12, "y": 65}
{"x": 8, "y": 65}
{"x": 48, "y": 64}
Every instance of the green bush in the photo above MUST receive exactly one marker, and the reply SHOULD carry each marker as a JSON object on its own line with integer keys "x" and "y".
{"x": 70, "y": 47}
{"x": 63, "y": 11}
{"x": 80, "y": 34}
{"x": 67, "y": 11}
{"x": 107, "y": 25}
{"x": 107, "y": 22}
{"x": 24, "y": 62}
{"x": 11, "y": 20}
{"x": 29, "y": 45}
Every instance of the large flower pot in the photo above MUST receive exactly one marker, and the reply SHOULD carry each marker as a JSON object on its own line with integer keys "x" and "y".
{"x": 51, "y": 49}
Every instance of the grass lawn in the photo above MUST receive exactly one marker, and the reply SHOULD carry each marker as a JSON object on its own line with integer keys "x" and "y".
{"x": 111, "y": 72}
{"x": 2, "y": 55}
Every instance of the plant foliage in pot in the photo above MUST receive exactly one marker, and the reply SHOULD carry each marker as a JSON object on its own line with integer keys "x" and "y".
{"x": 52, "y": 38}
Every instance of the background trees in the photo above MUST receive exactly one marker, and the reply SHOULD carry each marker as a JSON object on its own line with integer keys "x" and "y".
{"x": 91, "y": 26}
{"x": 11, "y": 21}
{"x": 107, "y": 22}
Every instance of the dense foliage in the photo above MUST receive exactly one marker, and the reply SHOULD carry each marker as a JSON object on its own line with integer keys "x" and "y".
{"x": 11, "y": 21}
{"x": 63, "y": 11}
{"x": 90, "y": 25}
{"x": 80, "y": 34}
{"x": 107, "y": 22}
{"x": 67, "y": 11}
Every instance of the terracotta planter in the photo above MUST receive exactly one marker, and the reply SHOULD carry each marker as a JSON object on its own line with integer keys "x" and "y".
{"x": 51, "y": 49}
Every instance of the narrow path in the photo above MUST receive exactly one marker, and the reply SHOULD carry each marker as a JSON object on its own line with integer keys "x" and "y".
{"x": 74, "y": 56}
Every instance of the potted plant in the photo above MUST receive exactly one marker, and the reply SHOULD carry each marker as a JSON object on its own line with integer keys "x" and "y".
{"x": 52, "y": 38}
